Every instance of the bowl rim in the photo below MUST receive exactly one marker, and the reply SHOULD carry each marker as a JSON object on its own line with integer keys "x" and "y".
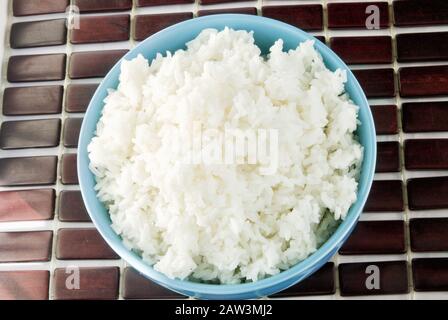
{"x": 335, "y": 240}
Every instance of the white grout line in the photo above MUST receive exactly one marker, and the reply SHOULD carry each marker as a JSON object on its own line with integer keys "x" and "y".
{"x": 195, "y": 8}
{"x": 371, "y": 258}
{"x": 59, "y": 186}
{"x": 401, "y": 155}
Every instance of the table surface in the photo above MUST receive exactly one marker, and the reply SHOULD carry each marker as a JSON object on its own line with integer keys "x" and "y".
{"x": 49, "y": 74}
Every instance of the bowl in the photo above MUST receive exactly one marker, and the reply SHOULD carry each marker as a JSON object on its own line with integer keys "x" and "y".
{"x": 266, "y": 32}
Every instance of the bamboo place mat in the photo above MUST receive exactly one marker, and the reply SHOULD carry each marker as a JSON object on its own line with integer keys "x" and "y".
{"x": 49, "y": 75}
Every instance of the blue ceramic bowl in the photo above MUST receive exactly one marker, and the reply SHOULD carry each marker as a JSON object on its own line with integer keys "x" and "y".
{"x": 266, "y": 32}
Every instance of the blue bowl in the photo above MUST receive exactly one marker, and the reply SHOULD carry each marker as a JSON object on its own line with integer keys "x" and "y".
{"x": 266, "y": 32}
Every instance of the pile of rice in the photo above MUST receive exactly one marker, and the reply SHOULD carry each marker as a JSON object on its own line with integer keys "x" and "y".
{"x": 226, "y": 223}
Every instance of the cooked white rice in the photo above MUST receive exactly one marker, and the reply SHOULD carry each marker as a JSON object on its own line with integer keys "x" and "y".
{"x": 226, "y": 222}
